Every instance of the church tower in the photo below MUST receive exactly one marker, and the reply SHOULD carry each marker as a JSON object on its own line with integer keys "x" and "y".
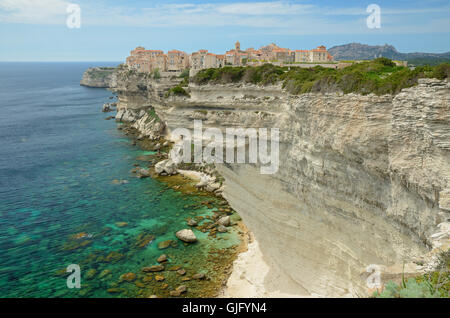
{"x": 237, "y": 46}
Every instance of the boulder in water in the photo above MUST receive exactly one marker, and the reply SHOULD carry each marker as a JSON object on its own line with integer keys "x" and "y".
{"x": 225, "y": 221}
{"x": 186, "y": 235}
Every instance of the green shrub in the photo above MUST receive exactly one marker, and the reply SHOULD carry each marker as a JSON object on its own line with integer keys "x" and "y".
{"x": 156, "y": 74}
{"x": 432, "y": 284}
{"x": 441, "y": 71}
{"x": 178, "y": 91}
{"x": 410, "y": 289}
{"x": 153, "y": 114}
{"x": 185, "y": 73}
{"x": 379, "y": 76}
{"x": 385, "y": 61}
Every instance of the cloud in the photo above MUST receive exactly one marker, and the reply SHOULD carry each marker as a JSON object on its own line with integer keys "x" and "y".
{"x": 276, "y": 17}
{"x": 264, "y": 8}
{"x": 33, "y": 12}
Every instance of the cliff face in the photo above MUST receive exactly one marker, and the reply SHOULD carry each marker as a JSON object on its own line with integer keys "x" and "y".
{"x": 362, "y": 179}
{"x": 102, "y": 77}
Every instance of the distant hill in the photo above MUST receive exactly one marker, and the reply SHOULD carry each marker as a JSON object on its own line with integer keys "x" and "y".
{"x": 358, "y": 51}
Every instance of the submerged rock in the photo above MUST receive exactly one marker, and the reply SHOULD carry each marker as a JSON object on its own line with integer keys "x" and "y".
{"x": 91, "y": 273}
{"x": 199, "y": 276}
{"x": 162, "y": 258}
{"x": 114, "y": 290}
{"x": 181, "y": 271}
{"x": 143, "y": 173}
{"x": 154, "y": 268}
{"x": 192, "y": 222}
{"x": 128, "y": 277}
{"x": 104, "y": 273}
{"x": 165, "y": 244}
{"x": 114, "y": 257}
{"x": 221, "y": 229}
{"x": 159, "y": 278}
{"x": 178, "y": 291}
{"x": 186, "y": 235}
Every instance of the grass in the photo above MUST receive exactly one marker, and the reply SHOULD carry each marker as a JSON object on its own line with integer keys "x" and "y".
{"x": 379, "y": 76}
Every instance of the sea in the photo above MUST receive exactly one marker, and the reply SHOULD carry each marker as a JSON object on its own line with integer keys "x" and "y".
{"x": 68, "y": 199}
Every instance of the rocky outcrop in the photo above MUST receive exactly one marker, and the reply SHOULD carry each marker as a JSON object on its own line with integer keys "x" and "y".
{"x": 166, "y": 167}
{"x": 143, "y": 120}
{"x": 102, "y": 77}
{"x": 108, "y": 107}
{"x": 362, "y": 179}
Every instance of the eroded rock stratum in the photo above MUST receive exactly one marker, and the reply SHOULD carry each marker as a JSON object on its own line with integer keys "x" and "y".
{"x": 362, "y": 179}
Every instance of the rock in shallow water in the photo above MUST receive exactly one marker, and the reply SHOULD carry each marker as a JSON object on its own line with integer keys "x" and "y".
{"x": 143, "y": 173}
{"x": 192, "y": 222}
{"x": 162, "y": 258}
{"x": 221, "y": 229}
{"x": 225, "y": 221}
{"x": 159, "y": 278}
{"x": 129, "y": 277}
{"x": 178, "y": 291}
{"x": 165, "y": 244}
{"x": 154, "y": 268}
{"x": 199, "y": 276}
{"x": 186, "y": 235}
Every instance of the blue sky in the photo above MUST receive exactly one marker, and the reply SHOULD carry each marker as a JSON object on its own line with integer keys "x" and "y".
{"x": 36, "y": 30}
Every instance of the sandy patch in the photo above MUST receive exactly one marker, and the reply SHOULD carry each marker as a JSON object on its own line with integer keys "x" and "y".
{"x": 249, "y": 276}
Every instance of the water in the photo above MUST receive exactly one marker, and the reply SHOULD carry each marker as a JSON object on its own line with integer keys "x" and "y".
{"x": 61, "y": 204}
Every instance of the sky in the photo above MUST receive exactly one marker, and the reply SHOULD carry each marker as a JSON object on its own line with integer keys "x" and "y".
{"x": 37, "y": 30}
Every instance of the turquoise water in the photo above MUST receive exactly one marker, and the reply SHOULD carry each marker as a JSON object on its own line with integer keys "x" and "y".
{"x": 61, "y": 204}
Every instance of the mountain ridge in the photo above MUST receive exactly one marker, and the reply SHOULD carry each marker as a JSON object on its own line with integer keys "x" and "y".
{"x": 358, "y": 51}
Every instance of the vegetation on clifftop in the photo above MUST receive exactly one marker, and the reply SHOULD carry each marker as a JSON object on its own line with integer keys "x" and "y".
{"x": 100, "y": 73}
{"x": 379, "y": 76}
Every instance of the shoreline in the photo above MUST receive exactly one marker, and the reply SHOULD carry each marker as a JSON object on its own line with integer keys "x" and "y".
{"x": 243, "y": 278}
{"x": 184, "y": 181}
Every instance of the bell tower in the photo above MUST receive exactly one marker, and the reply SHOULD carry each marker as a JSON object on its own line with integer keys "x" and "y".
{"x": 237, "y": 46}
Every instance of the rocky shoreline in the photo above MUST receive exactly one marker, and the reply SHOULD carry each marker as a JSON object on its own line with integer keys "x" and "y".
{"x": 356, "y": 169}
{"x": 147, "y": 133}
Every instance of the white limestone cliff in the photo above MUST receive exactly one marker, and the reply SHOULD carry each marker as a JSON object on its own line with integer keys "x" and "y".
{"x": 362, "y": 179}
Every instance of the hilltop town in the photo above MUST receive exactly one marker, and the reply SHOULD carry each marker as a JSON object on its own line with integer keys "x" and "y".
{"x": 176, "y": 61}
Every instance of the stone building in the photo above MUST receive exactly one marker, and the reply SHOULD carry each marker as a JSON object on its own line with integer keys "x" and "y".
{"x": 320, "y": 54}
{"x": 236, "y": 56}
{"x": 145, "y": 60}
{"x": 301, "y": 56}
{"x": 149, "y": 60}
{"x": 176, "y": 61}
